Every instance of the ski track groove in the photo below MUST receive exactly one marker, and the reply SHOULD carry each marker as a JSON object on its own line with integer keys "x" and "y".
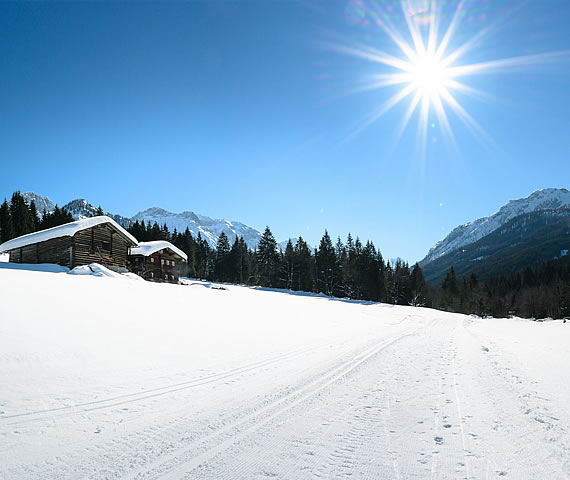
{"x": 151, "y": 393}
{"x": 269, "y": 413}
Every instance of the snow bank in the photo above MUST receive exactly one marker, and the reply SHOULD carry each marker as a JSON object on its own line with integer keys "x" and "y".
{"x": 35, "y": 267}
{"x": 96, "y": 270}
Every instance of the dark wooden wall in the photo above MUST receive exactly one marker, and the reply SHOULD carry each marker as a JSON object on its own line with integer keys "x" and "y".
{"x": 56, "y": 250}
{"x": 158, "y": 270}
{"x": 100, "y": 244}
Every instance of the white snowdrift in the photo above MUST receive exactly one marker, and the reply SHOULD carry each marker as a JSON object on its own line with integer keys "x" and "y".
{"x": 97, "y": 270}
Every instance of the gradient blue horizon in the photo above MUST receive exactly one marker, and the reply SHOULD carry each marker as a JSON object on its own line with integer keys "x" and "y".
{"x": 236, "y": 110}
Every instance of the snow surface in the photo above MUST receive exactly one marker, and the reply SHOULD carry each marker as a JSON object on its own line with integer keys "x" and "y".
{"x": 36, "y": 267}
{"x": 101, "y": 271}
{"x": 549, "y": 198}
{"x": 66, "y": 230}
{"x": 135, "y": 380}
{"x": 148, "y": 248}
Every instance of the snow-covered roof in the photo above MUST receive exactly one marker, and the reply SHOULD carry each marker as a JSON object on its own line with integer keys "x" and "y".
{"x": 148, "y": 248}
{"x": 66, "y": 230}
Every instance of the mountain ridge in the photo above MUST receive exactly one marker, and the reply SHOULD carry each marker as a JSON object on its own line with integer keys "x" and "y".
{"x": 468, "y": 233}
{"x": 209, "y": 228}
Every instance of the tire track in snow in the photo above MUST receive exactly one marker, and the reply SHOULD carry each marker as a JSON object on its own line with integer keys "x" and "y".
{"x": 178, "y": 464}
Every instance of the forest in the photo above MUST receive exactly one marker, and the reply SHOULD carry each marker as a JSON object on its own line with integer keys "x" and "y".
{"x": 350, "y": 269}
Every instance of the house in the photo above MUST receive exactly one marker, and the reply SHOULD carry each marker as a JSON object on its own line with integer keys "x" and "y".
{"x": 158, "y": 261}
{"x": 90, "y": 240}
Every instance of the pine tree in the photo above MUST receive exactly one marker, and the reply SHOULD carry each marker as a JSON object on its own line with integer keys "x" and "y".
{"x": 222, "y": 254}
{"x": 99, "y": 211}
{"x": 303, "y": 265}
{"x": 33, "y": 211}
{"x": 6, "y": 230}
{"x": 328, "y": 275}
{"x": 417, "y": 286}
{"x": 22, "y": 222}
{"x": 268, "y": 259}
{"x": 289, "y": 265}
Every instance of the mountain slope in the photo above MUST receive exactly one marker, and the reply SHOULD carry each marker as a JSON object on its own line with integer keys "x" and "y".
{"x": 42, "y": 203}
{"x": 547, "y": 199}
{"x": 209, "y": 228}
{"x": 526, "y": 240}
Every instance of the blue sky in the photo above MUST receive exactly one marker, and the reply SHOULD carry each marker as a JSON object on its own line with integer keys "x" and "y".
{"x": 240, "y": 110}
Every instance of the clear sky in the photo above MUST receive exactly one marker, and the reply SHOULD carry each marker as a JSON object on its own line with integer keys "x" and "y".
{"x": 243, "y": 110}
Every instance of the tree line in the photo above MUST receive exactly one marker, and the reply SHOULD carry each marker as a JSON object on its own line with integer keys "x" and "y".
{"x": 534, "y": 292}
{"x": 20, "y": 218}
{"x": 349, "y": 269}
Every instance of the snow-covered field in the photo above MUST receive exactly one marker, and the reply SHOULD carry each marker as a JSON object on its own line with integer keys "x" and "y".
{"x": 106, "y": 377}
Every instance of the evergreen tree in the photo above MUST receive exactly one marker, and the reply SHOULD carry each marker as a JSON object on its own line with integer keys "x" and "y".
{"x": 417, "y": 286}
{"x": 33, "y": 211}
{"x": 328, "y": 275}
{"x": 99, "y": 211}
{"x": 289, "y": 266}
{"x": 303, "y": 266}
{"x": 22, "y": 222}
{"x": 268, "y": 259}
{"x": 222, "y": 258}
{"x": 6, "y": 230}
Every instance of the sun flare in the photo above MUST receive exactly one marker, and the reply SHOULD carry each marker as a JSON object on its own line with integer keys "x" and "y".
{"x": 428, "y": 76}
{"x": 427, "y": 69}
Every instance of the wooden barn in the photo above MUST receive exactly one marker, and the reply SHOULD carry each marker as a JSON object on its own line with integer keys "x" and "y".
{"x": 157, "y": 261}
{"x": 91, "y": 240}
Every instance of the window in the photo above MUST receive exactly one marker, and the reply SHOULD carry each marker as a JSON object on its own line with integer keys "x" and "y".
{"x": 166, "y": 277}
{"x": 172, "y": 262}
{"x": 151, "y": 259}
{"x": 167, "y": 262}
{"x": 151, "y": 274}
{"x": 162, "y": 261}
{"x": 106, "y": 247}
{"x": 171, "y": 277}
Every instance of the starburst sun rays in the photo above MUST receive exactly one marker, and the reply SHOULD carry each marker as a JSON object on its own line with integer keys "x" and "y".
{"x": 428, "y": 70}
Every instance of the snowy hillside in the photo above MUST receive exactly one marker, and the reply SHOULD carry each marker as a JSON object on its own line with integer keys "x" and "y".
{"x": 549, "y": 198}
{"x": 195, "y": 382}
{"x": 209, "y": 228}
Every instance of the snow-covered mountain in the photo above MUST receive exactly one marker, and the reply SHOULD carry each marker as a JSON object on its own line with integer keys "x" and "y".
{"x": 547, "y": 199}
{"x": 42, "y": 203}
{"x": 81, "y": 208}
{"x": 209, "y": 228}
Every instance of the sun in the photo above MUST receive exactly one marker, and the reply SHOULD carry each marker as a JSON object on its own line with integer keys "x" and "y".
{"x": 429, "y": 77}
{"x": 428, "y": 70}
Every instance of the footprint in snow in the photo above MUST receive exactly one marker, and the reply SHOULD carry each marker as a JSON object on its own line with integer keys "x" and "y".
{"x": 98, "y": 430}
{"x": 447, "y": 425}
{"x": 438, "y": 440}
{"x": 485, "y": 349}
